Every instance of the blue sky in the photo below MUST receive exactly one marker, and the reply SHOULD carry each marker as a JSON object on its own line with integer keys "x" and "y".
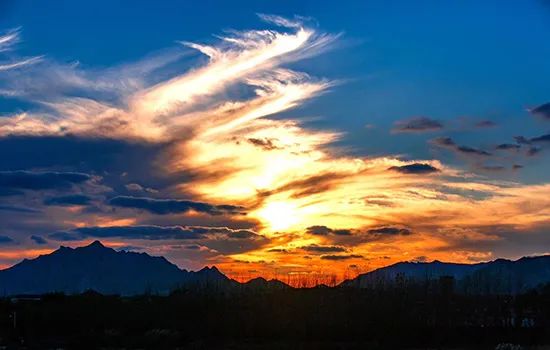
{"x": 397, "y": 59}
{"x": 470, "y": 69}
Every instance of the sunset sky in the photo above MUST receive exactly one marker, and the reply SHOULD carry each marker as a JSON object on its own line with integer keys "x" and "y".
{"x": 276, "y": 138}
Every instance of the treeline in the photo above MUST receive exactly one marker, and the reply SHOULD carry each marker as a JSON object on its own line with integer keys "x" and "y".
{"x": 403, "y": 315}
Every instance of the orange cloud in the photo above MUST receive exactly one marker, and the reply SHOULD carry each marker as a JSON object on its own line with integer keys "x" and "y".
{"x": 290, "y": 177}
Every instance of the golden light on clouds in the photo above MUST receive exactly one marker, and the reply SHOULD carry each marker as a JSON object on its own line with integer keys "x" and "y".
{"x": 288, "y": 177}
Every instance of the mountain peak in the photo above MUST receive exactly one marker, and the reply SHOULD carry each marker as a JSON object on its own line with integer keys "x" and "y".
{"x": 211, "y": 273}
{"x": 207, "y": 269}
{"x": 96, "y": 244}
{"x": 92, "y": 267}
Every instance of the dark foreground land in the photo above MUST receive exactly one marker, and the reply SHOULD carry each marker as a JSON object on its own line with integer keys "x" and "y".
{"x": 418, "y": 317}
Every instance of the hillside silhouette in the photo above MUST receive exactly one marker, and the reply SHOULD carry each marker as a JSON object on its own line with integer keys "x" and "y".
{"x": 107, "y": 271}
{"x": 96, "y": 297}
{"x": 102, "y": 269}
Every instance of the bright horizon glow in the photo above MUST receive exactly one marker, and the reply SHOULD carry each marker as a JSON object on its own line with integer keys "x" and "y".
{"x": 264, "y": 152}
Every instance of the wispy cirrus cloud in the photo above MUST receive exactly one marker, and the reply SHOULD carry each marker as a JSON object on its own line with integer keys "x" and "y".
{"x": 164, "y": 111}
{"x": 210, "y": 134}
{"x": 18, "y": 64}
{"x": 7, "y": 43}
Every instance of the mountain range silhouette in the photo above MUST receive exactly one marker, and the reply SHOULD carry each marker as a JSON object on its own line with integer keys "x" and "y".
{"x": 102, "y": 269}
{"x": 107, "y": 271}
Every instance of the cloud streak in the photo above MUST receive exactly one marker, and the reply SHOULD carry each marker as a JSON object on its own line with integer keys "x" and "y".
{"x": 211, "y": 144}
{"x": 163, "y": 111}
{"x": 417, "y": 125}
{"x": 7, "y": 41}
{"x": 415, "y": 168}
{"x": 542, "y": 111}
{"x": 28, "y": 180}
{"x": 448, "y": 143}
{"x": 173, "y": 206}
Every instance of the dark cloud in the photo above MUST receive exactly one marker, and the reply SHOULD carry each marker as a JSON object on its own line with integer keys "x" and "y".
{"x": 533, "y": 150}
{"x": 148, "y": 232}
{"x": 471, "y": 150}
{"x": 542, "y": 111}
{"x": 506, "y": 240}
{"x": 222, "y": 239}
{"x": 416, "y": 125}
{"x": 5, "y": 240}
{"x": 353, "y": 237}
{"x": 443, "y": 142}
{"x": 28, "y": 180}
{"x": 508, "y": 147}
{"x": 277, "y": 250}
{"x": 342, "y": 232}
{"x": 68, "y": 200}
{"x": 448, "y": 143}
{"x": 39, "y": 240}
{"x": 265, "y": 144}
{"x": 341, "y": 257}
{"x": 389, "y": 230}
{"x": 241, "y": 234}
{"x": 228, "y": 241}
{"x": 522, "y": 140}
{"x": 119, "y": 162}
{"x": 173, "y": 206}
{"x": 318, "y": 183}
{"x": 415, "y": 168}
{"x": 318, "y": 230}
{"x": 314, "y": 248}
{"x": 192, "y": 247}
{"x": 379, "y": 203}
{"x": 541, "y": 139}
{"x": 485, "y": 124}
{"x": 324, "y": 230}
{"x": 18, "y": 209}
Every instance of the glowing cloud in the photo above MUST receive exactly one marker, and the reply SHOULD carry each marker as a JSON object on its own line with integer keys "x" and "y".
{"x": 288, "y": 178}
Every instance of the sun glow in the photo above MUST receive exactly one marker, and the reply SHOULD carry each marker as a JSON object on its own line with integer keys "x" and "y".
{"x": 219, "y": 129}
{"x": 279, "y": 215}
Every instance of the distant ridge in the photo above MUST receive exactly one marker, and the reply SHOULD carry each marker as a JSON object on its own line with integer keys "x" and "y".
{"x": 500, "y": 276}
{"x": 261, "y": 283}
{"x": 102, "y": 269}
